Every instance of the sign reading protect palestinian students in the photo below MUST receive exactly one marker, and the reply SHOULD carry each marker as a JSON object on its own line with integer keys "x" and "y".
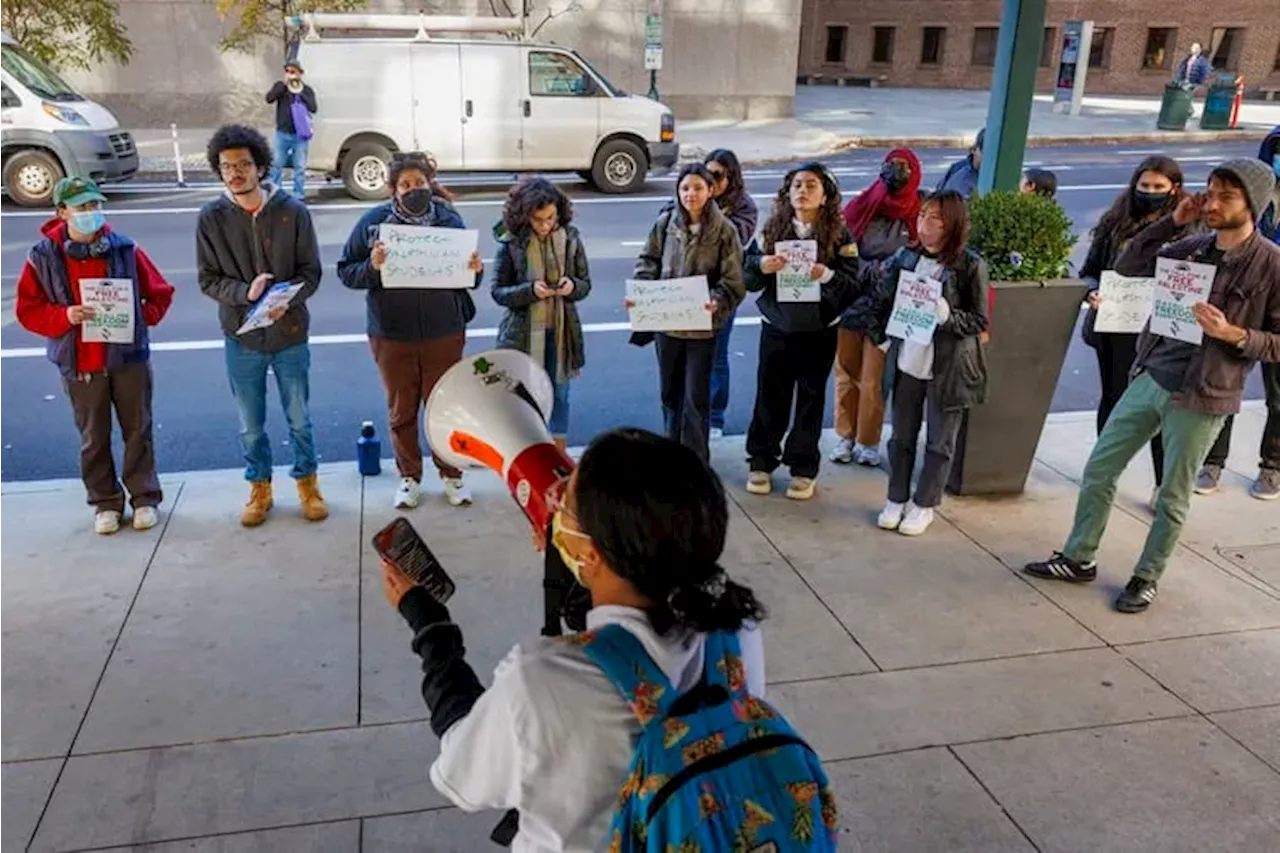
{"x": 670, "y": 305}
{"x": 794, "y": 282}
{"x": 915, "y": 308}
{"x": 1178, "y": 287}
{"x": 112, "y": 302}
{"x": 1126, "y": 303}
{"x": 425, "y": 257}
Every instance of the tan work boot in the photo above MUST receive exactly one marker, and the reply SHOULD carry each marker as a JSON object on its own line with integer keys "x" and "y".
{"x": 313, "y": 506}
{"x": 260, "y": 503}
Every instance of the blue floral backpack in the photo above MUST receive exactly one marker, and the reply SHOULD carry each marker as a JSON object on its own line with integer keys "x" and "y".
{"x": 715, "y": 769}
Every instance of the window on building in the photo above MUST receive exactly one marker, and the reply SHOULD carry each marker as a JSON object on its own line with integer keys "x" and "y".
{"x": 933, "y": 45}
{"x": 1100, "y": 48}
{"x": 1158, "y": 55}
{"x": 1224, "y": 49}
{"x": 1047, "y": 47}
{"x": 882, "y": 45}
{"x": 984, "y": 45}
{"x": 837, "y": 38}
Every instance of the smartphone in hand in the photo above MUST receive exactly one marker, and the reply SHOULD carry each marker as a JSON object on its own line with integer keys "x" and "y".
{"x": 399, "y": 544}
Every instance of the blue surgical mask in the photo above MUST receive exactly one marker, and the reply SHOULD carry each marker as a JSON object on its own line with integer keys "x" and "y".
{"x": 88, "y": 221}
{"x": 1275, "y": 165}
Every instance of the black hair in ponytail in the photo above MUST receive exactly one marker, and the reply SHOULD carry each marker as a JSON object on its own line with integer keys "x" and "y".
{"x": 659, "y": 516}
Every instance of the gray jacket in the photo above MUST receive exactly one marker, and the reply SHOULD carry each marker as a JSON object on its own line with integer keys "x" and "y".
{"x": 513, "y": 290}
{"x": 672, "y": 251}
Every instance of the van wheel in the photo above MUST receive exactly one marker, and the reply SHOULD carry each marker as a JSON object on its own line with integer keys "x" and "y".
{"x": 30, "y": 177}
{"x": 364, "y": 171}
{"x": 620, "y": 167}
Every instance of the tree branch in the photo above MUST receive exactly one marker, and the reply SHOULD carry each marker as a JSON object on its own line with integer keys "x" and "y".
{"x": 572, "y": 7}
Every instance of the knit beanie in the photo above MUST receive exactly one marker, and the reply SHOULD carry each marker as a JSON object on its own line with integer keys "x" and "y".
{"x": 1258, "y": 180}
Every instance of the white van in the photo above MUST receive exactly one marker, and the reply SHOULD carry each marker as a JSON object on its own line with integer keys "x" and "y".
{"x": 476, "y": 105}
{"x": 48, "y": 131}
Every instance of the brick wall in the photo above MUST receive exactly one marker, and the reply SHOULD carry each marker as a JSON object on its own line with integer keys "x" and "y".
{"x": 1255, "y": 21}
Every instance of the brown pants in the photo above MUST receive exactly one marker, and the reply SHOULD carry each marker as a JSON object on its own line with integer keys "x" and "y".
{"x": 859, "y": 401}
{"x": 127, "y": 390}
{"x": 410, "y": 369}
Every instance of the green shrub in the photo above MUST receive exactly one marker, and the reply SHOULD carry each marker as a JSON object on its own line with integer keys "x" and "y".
{"x": 1022, "y": 236}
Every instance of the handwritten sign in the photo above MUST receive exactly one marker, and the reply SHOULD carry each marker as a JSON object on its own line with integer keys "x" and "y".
{"x": 112, "y": 302}
{"x": 426, "y": 257}
{"x": 915, "y": 308}
{"x": 1126, "y": 303}
{"x": 271, "y": 307}
{"x": 794, "y": 282}
{"x": 1179, "y": 285}
{"x": 670, "y": 305}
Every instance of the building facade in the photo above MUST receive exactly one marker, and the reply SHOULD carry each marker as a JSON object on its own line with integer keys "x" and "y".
{"x": 952, "y": 43}
{"x": 732, "y": 60}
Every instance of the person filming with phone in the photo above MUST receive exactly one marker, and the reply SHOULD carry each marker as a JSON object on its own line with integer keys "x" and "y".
{"x": 553, "y": 736}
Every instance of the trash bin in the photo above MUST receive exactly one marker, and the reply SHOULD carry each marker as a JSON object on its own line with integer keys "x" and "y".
{"x": 1220, "y": 103}
{"x": 1175, "y": 108}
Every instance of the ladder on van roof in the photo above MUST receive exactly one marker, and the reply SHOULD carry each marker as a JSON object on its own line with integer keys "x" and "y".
{"x": 424, "y": 27}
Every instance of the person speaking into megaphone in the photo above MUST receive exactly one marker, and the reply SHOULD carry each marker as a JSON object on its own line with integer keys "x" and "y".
{"x": 551, "y": 738}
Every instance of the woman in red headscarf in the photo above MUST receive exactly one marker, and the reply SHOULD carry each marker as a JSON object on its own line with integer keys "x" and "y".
{"x": 882, "y": 219}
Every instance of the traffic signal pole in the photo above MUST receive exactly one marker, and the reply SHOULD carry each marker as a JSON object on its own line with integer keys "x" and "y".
{"x": 1012, "y": 86}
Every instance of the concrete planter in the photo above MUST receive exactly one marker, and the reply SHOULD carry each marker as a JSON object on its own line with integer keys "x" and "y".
{"x": 1031, "y": 330}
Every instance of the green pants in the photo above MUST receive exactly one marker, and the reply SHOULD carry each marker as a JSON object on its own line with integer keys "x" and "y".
{"x": 1142, "y": 412}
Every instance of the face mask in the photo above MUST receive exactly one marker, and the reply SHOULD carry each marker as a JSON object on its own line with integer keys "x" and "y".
{"x": 895, "y": 175}
{"x": 88, "y": 221}
{"x": 416, "y": 202}
{"x": 1275, "y": 166}
{"x": 1145, "y": 202}
{"x": 558, "y": 532}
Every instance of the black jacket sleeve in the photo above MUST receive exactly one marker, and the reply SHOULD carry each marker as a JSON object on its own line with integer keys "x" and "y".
{"x": 309, "y": 98}
{"x": 970, "y": 321}
{"x": 449, "y": 684}
{"x": 355, "y": 267}
{"x": 1139, "y": 258}
{"x": 213, "y": 283}
{"x": 1095, "y": 261}
{"x": 276, "y": 92}
{"x": 308, "y": 268}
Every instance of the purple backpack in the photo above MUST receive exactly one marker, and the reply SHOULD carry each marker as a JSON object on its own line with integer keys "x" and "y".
{"x": 301, "y": 117}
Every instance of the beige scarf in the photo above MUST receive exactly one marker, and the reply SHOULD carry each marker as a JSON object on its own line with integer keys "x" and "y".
{"x": 545, "y": 259}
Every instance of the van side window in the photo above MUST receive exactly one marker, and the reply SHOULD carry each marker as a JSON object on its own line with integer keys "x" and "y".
{"x": 558, "y": 76}
{"x": 9, "y": 99}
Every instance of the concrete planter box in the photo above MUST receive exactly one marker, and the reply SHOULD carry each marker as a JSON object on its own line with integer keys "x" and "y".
{"x": 1031, "y": 330}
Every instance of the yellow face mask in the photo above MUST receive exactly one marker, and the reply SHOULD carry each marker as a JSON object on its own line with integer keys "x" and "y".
{"x": 558, "y": 532}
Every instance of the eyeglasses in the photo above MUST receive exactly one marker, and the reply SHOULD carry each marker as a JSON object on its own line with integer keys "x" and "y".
{"x": 241, "y": 168}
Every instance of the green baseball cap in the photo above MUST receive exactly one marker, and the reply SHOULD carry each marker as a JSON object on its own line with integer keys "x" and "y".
{"x": 76, "y": 191}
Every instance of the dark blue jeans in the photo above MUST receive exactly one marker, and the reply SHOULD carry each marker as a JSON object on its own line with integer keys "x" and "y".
{"x": 720, "y": 374}
{"x": 247, "y": 371}
{"x": 291, "y": 151}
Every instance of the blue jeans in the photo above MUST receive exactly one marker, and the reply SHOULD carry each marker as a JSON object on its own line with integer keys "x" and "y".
{"x": 558, "y": 423}
{"x": 720, "y": 374}
{"x": 247, "y": 371}
{"x": 291, "y": 152}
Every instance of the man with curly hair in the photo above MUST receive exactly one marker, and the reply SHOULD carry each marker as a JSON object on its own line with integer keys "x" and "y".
{"x": 251, "y": 239}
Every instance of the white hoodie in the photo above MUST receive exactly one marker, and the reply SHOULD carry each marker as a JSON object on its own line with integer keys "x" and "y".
{"x": 552, "y": 737}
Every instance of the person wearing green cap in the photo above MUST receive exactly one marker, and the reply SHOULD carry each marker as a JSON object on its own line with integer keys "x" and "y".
{"x": 78, "y": 251}
{"x": 1183, "y": 390}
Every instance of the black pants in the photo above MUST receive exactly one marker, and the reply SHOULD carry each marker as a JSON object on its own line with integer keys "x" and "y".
{"x": 1270, "y": 450}
{"x": 125, "y": 390}
{"x": 684, "y": 382}
{"x": 911, "y": 397}
{"x": 792, "y": 368}
{"x": 1116, "y": 353}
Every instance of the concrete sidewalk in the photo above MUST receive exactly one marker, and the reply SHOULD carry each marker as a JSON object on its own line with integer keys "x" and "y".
{"x": 202, "y": 687}
{"x": 831, "y": 118}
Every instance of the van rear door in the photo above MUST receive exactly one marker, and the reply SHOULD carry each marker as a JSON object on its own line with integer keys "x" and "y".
{"x": 437, "y": 103}
{"x": 492, "y": 100}
{"x": 562, "y": 113}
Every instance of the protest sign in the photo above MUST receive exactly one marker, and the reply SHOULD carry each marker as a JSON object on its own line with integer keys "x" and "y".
{"x": 112, "y": 302}
{"x": 1126, "y": 303}
{"x": 1179, "y": 285}
{"x": 794, "y": 282}
{"x": 425, "y": 257}
{"x": 271, "y": 307}
{"x": 670, "y": 305}
{"x": 915, "y": 308}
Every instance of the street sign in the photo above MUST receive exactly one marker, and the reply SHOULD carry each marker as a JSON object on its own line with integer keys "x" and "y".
{"x": 653, "y": 29}
{"x": 1073, "y": 66}
{"x": 653, "y": 57}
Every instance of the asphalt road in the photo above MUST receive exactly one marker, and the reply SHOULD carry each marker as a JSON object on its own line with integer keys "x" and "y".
{"x": 196, "y": 423}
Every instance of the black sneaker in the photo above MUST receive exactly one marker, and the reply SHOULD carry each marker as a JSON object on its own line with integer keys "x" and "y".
{"x": 1137, "y": 596}
{"x": 1060, "y": 567}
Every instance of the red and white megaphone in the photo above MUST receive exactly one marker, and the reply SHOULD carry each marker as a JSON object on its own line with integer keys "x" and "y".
{"x": 491, "y": 410}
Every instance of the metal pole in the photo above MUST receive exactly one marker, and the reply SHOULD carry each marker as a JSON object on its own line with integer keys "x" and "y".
{"x": 177, "y": 154}
{"x": 1013, "y": 87}
{"x": 653, "y": 85}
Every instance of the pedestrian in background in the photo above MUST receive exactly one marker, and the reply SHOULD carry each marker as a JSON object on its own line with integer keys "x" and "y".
{"x": 542, "y": 274}
{"x": 962, "y": 177}
{"x": 252, "y": 237}
{"x": 415, "y": 334}
{"x": 1040, "y": 181}
{"x": 692, "y": 238}
{"x": 797, "y": 339}
{"x": 731, "y": 196}
{"x": 1194, "y": 69}
{"x": 98, "y": 377}
{"x": 882, "y": 218}
{"x": 1154, "y": 190}
{"x": 295, "y": 105}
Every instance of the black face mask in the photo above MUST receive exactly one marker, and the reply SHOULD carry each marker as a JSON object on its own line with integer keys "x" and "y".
{"x": 1145, "y": 203}
{"x": 416, "y": 202}
{"x": 895, "y": 175}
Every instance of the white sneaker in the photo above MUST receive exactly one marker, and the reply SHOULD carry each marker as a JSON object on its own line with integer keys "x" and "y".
{"x": 145, "y": 518}
{"x": 759, "y": 483}
{"x": 106, "y": 522}
{"x": 891, "y": 516}
{"x": 802, "y": 488}
{"x": 843, "y": 451}
{"x": 456, "y": 492}
{"x": 916, "y": 520}
{"x": 717, "y": 433}
{"x": 409, "y": 493}
{"x": 869, "y": 456}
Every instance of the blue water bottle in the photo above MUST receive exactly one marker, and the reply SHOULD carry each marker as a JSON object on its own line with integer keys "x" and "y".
{"x": 369, "y": 451}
